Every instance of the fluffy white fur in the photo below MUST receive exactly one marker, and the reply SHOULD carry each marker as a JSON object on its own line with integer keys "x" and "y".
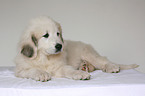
{"x": 37, "y": 57}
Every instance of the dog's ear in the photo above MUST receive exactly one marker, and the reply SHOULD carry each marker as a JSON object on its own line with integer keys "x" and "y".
{"x": 29, "y": 47}
{"x": 60, "y": 30}
{"x": 61, "y": 37}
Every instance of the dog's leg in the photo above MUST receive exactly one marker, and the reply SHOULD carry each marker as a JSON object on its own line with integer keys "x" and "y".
{"x": 99, "y": 62}
{"x": 69, "y": 72}
{"x": 86, "y": 66}
{"x": 33, "y": 73}
{"x": 102, "y": 63}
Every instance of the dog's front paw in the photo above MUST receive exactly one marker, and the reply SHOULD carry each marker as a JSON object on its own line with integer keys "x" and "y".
{"x": 41, "y": 76}
{"x": 111, "y": 68}
{"x": 81, "y": 75}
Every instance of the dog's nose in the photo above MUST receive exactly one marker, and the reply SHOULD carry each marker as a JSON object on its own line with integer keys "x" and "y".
{"x": 58, "y": 47}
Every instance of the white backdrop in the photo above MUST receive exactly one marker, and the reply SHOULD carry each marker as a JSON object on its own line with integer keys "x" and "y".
{"x": 115, "y": 28}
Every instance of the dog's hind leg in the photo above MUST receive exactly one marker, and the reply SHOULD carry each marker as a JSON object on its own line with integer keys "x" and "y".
{"x": 102, "y": 63}
{"x": 91, "y": 56}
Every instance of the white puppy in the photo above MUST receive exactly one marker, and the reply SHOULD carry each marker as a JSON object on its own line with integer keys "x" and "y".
{"x": 42, "y": 54}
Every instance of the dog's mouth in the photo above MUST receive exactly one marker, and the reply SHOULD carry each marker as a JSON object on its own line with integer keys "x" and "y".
{"x": 56, "y": 51}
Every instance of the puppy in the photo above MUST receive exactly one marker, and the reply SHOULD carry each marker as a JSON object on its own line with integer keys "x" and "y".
{"x": 42, "y": 54}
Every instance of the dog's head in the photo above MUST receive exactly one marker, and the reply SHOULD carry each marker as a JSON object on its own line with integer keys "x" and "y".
{"x": 42, "y": 35}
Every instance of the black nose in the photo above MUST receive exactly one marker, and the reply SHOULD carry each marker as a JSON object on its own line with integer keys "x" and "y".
{"x": 58, "y": 47}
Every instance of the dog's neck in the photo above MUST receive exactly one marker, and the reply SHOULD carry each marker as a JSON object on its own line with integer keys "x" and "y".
{"x": 41, "y": 58}
{"x": 44, "y": 59}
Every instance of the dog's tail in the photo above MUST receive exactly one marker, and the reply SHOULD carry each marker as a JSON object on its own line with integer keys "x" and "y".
{"x": 125, "y": 67}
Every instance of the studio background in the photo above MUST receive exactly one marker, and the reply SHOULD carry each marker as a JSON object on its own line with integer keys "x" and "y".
{"x": 115, "y": 28}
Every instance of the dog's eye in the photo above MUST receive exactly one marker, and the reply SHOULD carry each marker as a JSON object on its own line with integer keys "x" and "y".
{"x": 46, "y": 35}
{"x": 58, "y": 34}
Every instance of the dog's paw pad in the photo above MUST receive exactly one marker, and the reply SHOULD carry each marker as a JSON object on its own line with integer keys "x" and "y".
{"x": 86, "y": 66}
